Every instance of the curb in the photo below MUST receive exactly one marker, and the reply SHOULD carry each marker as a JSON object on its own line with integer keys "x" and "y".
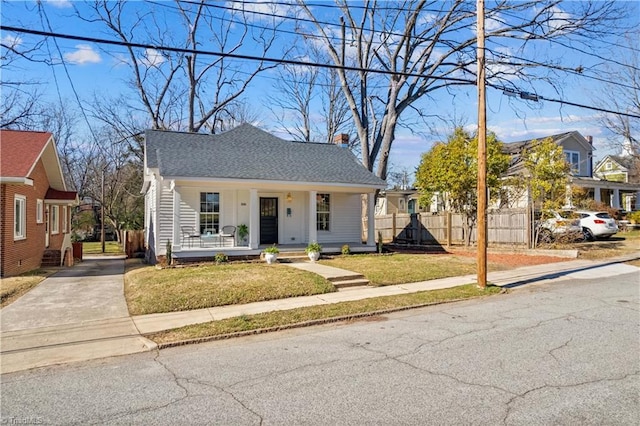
{"x": 319, "y": 321}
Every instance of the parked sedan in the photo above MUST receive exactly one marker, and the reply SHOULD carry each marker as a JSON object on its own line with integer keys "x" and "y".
{"x": 597, "y": 225}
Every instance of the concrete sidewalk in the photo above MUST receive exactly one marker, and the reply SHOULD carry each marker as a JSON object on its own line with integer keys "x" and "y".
{"x": 507, "y": 279}
{"x": 68, "y": 336}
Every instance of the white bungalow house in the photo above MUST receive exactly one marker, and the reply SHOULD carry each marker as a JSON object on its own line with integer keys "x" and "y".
{"x": 201, "y": 188}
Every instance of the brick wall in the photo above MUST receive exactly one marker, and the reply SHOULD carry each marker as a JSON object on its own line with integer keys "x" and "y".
{"x": 21, "y": 256}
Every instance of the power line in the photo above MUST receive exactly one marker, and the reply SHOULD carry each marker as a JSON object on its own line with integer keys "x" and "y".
{"x": 224, "y": 55}
{"x": 522, "y": 94}
{"x": 326, "y": 23}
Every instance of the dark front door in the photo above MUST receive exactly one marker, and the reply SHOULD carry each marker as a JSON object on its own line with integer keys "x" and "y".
{"x": 268, "y": 220}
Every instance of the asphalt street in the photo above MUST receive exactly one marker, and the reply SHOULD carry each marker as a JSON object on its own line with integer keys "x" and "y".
{"x": 560, "y": 352}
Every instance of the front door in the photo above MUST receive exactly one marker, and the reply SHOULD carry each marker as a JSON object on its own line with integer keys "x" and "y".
{"x": 268, "y": 220}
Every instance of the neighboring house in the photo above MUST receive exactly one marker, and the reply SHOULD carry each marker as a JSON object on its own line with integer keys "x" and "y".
{"x": 578, "y": 152}
{"x": 287, "y": 193}
{"x": 621, "y": 169}
{"x": 577, "y": 149}
{"x": 614, "y": 168}
{"x": 35, "y": 206}
{"x": 399, "y": 201}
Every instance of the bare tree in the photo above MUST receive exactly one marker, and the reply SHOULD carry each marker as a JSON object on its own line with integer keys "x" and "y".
{"x": 622, "y": 93}
{"x": 20, "y": 107}
{"x": 185, "y": 91}
{"x": 308, "y": 100}
{"x": 424, "y": 47}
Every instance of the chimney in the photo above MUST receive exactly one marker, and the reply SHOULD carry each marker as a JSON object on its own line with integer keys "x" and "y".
{"x": 341, "y": 139}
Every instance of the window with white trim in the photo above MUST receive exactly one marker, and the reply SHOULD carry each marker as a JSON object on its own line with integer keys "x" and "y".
{"x": 55, "y": 216}
{"x": 65, "y": 219}
{"x": 608, "y": 166}
{"x": 323, "y": 212}
{"x": 39, "y": 211}
{"x": 20, "y": 217}
{"x": 209, "y": 212}
{"x": 573, "y": 158}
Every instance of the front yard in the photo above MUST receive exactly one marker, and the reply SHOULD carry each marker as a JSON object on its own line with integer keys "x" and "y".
{"x": 149, "y": 290}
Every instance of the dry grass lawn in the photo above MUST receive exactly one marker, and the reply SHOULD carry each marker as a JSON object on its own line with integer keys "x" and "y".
{"x": 273, "y": 320}
{"x": 150, "y": 290}
{"x": 13, "y": 287}
{"x": 400, "y": 268}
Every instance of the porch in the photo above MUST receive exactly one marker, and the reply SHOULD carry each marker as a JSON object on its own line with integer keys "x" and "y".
{"x": 208, "y": 252}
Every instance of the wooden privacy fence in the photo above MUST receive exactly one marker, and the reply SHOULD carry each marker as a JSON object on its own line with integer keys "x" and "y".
{"x": 446, "y": 228}
{"x": 133, "y": 242}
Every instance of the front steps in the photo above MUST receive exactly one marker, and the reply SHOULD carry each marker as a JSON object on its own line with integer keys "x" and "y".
{"x": 340, "y": 278}
{"x": 51, "y": 258}
{"x": 355, "y": 280}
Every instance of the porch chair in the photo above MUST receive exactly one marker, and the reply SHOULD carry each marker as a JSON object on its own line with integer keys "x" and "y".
{"x": 228, "y": 232}
{"x": 189, "y": 234}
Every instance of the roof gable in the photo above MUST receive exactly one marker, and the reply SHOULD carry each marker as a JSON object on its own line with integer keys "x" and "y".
{"x": 248, "y": 153}
{"x": 560, "y": 139}
{"x": 21, "y": 151}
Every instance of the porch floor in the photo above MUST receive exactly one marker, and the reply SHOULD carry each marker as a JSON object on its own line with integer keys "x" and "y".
{"x": 202, "y": 252}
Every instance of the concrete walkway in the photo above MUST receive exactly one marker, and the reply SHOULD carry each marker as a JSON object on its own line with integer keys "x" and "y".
{"x": 89, "y": 318}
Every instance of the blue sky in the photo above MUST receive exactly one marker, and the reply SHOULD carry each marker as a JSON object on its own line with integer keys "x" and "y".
{"x": 98, "y": 70}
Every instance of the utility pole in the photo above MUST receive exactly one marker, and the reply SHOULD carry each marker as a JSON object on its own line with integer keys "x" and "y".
{"x": 482, "y": 153}
{"x": 102, "y": 211}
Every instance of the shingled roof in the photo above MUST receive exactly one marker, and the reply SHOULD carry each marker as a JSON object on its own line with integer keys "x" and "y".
{"x": 248, "y": 153}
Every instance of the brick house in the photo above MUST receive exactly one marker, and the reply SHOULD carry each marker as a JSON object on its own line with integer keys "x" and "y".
{"x": 35, "y": 206}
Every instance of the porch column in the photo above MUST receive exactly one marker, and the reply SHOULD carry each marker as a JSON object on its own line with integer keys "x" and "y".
{"x": 177, "y": 234}
{"x": 313, "y": 213}
{"x": 371, "y": 219}
{"x": 254, "y": 219}
{"x": 615, "y": 203}
{"x": 637, "y": 200}
{"x": 596, "y": 195}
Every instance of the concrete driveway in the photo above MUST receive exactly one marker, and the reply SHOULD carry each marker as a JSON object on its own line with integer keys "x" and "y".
{"x": 90, "y": 291}
{"x": 77, "y": 314}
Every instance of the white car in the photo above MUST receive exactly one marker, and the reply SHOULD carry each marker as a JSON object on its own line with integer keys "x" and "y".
{"x": 554, "y": 225}
{"x": 597, "y": 225}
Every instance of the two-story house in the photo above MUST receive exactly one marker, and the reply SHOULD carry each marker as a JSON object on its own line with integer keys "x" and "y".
{"x": 578, "y": 152}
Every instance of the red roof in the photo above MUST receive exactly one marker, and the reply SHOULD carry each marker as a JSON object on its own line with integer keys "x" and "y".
{"x": 20, "y": 150}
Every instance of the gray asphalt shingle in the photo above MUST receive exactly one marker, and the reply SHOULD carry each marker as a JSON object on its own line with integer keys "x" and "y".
{"x": 247, "y": 152}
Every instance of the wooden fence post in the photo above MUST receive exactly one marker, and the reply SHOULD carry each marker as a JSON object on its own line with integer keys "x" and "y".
{"x": 393, "y": 227}
{"x": 419, "y": 228}
{"x": 449, "y": 228}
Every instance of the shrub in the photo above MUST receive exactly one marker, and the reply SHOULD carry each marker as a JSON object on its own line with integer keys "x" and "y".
{"x": 273, "y": 250}
{"x": 220, "y": 258}
{"x": 634, "y": 216}
{"x": 169, "y": 252}
{"x": 346, "y": 249}
{"x": 313, "y": 247}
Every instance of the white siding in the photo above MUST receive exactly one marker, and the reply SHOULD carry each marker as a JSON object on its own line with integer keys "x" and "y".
{"x": 346, "y": 219}
{"x": 190, "y": 206}
{"x": 165, "y": 219}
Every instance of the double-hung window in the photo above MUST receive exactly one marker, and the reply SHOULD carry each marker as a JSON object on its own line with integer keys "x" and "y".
{"x": 39, "y": 211}
{"x": 209, "y": 212}
{"x": 65, "y": 219}
{"x": 55, "y": 219}
{"x": 573, "y": 158}
{"x": 20, "y": 217}
{"x": 323, "y": 212}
